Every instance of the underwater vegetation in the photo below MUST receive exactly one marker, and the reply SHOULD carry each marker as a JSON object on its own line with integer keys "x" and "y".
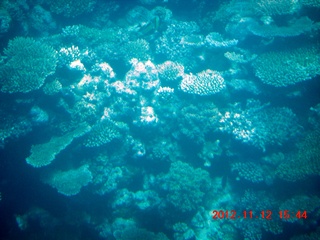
{"x": 155, "y": 119}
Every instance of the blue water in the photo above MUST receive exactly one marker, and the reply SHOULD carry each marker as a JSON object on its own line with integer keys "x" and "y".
{"x": 154, "y": 119}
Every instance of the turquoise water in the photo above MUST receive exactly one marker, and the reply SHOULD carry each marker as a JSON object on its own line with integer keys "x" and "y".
{"x": 158, "y": 119}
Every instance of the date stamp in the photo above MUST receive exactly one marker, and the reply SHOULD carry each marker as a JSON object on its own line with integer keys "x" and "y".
{"x": 263, "y": 214}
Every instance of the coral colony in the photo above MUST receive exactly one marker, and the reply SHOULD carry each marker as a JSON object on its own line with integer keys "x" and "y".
{"x": 155, "y": 119}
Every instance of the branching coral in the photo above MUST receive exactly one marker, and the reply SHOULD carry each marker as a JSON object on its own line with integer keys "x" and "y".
{"x": 305, "y": 162}
{"x": 261, "y": 126}
{"x": 52, "y": 88}
{"x": 186, "y": 186}
{"x": 258, "y": 201}
{"x": 154, "y": 124}
{"x": 209, "y": 151}
{"x": 302, "y": 203}
{"x": 195, "y": 121}
{"x": 106, "y": 175}
{"x": 143, "y": 75}
{"x": 27, "y": 64}
{"x": 12, "y": 127}
{"x": 171, "y": 43}
{"x": 311, "y": 3}
{"x": 102, "y": 133}
{"x": 81, "y": 35}
{"x": 138, "y": 49}
{"x": 71, "y": 8}
{"x": 182, "y": 231}
{"x": 170, "y": 71}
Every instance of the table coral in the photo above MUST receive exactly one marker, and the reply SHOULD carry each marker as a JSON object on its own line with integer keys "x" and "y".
{"x": 43, "y": 154}
{"x": 70, "y": 182}
{"x": 27, "y": 64}
{"x": 284, "y": 68}
{"x": 207, "y": 82}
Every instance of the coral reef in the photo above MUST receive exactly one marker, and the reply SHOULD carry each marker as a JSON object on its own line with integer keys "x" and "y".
{"x": 147, "y": 120}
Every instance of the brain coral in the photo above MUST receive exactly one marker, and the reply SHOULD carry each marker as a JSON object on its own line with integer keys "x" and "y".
{"x": 285, "y": 68}
{"x": 26, "y": 65}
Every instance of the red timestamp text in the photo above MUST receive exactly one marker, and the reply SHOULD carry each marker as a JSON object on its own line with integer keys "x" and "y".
{"x": 263, "y": 214}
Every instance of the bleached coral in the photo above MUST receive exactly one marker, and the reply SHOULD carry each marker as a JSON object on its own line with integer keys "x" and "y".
{"x": 143, "y": 75}
{"x": 261, "y": 126}
{"x": 148, "y": 116}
